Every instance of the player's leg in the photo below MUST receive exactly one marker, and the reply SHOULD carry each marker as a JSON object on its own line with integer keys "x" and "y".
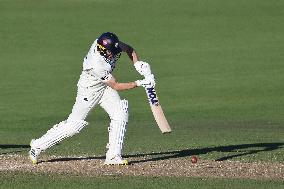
{"x": 54, "y": 135}
{"x": 73, "y": 125}
{"x": 118, "y": 113}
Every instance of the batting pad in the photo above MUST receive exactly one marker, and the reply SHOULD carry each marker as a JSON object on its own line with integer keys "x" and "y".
{"x": 117, "y": 131}
{"x": 119, "y": 115}
{"x": 122, "y": 111}
{"x": 58, "y": 133}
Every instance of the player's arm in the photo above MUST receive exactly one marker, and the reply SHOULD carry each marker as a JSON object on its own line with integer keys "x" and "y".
{"x": 120, "y": 86}
{"x": 130, "y": 85}
{"x": 142, "y": 67}
{"x": 129, "y": 51}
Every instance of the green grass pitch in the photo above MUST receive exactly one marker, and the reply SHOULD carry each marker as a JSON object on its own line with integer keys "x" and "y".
{"x": 219, "y": 68}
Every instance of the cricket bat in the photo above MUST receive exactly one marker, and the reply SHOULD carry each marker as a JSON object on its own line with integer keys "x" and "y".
{"x": 157, "y": 110}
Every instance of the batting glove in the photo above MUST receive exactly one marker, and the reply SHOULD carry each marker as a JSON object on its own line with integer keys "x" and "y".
{"x": 151, "y": 78}
{"x": 143, "y": 68}
{"x": 145, "y": 83}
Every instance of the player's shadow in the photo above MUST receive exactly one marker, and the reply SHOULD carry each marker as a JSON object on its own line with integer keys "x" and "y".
{"x": 73, "y": 159}
{"x": 238, "y": 150}
{"x": 12, "y": 148}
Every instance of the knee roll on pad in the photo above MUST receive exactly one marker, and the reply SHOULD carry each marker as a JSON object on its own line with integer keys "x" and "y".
{"x": 121, "y": 111}
{"x": 68, "y": 127}
{"x": 75, "y": 126}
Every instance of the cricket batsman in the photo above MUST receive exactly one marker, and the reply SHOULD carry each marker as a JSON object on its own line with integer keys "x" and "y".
{"x": 97, "y": 86}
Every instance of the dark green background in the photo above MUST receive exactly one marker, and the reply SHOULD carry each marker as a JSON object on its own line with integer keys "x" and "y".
{"x": 218, "y": 64}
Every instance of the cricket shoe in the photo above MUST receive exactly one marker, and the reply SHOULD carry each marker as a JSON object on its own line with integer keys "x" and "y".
{"x": 116, "y": 160}
{"x": 34, "y": 153}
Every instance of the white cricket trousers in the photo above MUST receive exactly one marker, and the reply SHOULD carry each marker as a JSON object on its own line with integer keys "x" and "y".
{"x": 116, "y": 108}
{"x": 86, "y": 100}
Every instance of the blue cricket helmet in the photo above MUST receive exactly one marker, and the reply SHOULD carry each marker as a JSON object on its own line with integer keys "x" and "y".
{"x": 108, "y": 42}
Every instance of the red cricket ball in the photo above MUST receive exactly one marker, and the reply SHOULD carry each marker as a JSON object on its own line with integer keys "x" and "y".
{"x": 193, "y": 159}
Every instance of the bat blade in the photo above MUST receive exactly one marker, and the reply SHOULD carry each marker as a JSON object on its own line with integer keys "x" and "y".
{"x": 157, "y": 110}
{"x": 161, "y": 119}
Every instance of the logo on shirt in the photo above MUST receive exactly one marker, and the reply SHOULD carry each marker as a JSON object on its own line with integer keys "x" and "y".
{"x": 107, "y": 76}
